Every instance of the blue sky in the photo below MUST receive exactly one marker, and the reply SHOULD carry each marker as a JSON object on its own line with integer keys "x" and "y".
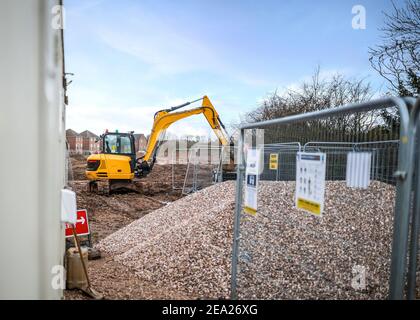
{"x": 130, "y": 58}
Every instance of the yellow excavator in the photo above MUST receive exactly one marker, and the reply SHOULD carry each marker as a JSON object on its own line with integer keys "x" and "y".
{"x": 117, "y": 162}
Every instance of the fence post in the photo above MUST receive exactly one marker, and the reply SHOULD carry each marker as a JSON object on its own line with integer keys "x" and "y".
{"x": 404, "y": 177}
{"x": 415, "y": 223}
{"x": 238, "y": 208}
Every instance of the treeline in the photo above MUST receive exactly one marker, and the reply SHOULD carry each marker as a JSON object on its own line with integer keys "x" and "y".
{"x": 322, "y": 93}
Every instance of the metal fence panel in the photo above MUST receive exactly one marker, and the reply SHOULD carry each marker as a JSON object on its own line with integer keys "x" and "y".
{"x": 203, "y": 167}
{"x": 285, "y": 253}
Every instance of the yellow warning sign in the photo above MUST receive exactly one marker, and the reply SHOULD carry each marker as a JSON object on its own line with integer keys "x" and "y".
{"x": 250, "y": 211}
{"x": 310, "y": 206}
{"x": 274, "y": 161}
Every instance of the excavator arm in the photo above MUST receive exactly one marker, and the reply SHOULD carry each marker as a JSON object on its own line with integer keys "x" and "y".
{"x": 164, "y": 118}
{"x": 117, "y": 162}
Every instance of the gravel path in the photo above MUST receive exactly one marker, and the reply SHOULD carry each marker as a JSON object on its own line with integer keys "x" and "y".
{"x": 185, "y": 247}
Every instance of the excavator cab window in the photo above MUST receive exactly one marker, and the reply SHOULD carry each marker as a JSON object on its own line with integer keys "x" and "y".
{"x": 125, "y": 145}
{"x": 117, "y": 143}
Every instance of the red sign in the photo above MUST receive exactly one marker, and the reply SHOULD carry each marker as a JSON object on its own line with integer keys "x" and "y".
{"x": 82, "y": 224}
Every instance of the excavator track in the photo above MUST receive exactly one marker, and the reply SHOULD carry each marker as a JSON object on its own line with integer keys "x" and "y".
{"x": 121, "y": 185}
{"x": 111, "y": 186}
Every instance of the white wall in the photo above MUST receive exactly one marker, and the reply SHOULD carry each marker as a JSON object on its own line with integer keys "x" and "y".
{"x": 32, "y": 149}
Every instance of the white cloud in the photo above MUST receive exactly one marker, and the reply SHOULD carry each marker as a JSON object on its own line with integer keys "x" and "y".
{"x": 81, "y": 7}
{"x": 324, "y": 74}
{"x": 150, "y": 39}
{"x": 169, "y": 50}
{"x": 97, "y": 119}
{"x": 166, "y": 50}
{"x": 138, "y": 119}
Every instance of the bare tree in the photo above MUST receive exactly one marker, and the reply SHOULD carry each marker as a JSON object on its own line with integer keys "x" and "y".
{"x": 316, "y": 94}
{"x": 320, "y": 93}
{"x": 397, "y": 59}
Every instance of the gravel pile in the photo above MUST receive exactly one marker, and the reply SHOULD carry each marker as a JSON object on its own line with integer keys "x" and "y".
{"x": 288, "y": 254}
{"x": 284, "y": 253}
{"x": 185, "y": 243}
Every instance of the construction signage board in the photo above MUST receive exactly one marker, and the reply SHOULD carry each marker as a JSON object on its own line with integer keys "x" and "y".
{"x": 310, "y": 182}
{"x": 274, "y": 161}
{"x": 252, "y": 177}
{"x": 82, "y": 224}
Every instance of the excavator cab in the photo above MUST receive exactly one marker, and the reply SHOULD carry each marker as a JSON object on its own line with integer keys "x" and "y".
{"x": 122, "y": 144}
{"x": 118, "y": 143}
{"x": 116, "y": 161}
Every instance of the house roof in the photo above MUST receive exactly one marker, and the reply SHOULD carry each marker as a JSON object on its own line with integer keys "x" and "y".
{"x": 138, "y": 136}
{"x": 71, "y": 133}
{"x": 88, "y": 134}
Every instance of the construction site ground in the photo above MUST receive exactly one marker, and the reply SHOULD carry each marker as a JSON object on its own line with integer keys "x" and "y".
{"x": 108, "y": 213}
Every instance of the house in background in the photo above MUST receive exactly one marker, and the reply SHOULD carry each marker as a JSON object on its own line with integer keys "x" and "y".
{"x": 90, "y": 142}
{"x": 85, "y": 142}
{"x": 75, "y": 142}
{"x": 140, "y": 142}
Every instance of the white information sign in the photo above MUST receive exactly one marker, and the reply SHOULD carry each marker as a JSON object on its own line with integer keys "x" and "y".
{"x": 251, "y": 180}
{"x": 358, "y": 169}
{"x": 310, "y": 182}
{"x": 68, "y": 206}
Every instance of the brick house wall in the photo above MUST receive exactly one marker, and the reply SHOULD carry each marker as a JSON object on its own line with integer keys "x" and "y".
{"x": 89, "y": 142}
{"x": 75, "y": 142}
{"x": 140, "y": 142}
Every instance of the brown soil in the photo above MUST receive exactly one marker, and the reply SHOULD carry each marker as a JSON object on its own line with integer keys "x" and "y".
{"x": 108, "y": 213}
